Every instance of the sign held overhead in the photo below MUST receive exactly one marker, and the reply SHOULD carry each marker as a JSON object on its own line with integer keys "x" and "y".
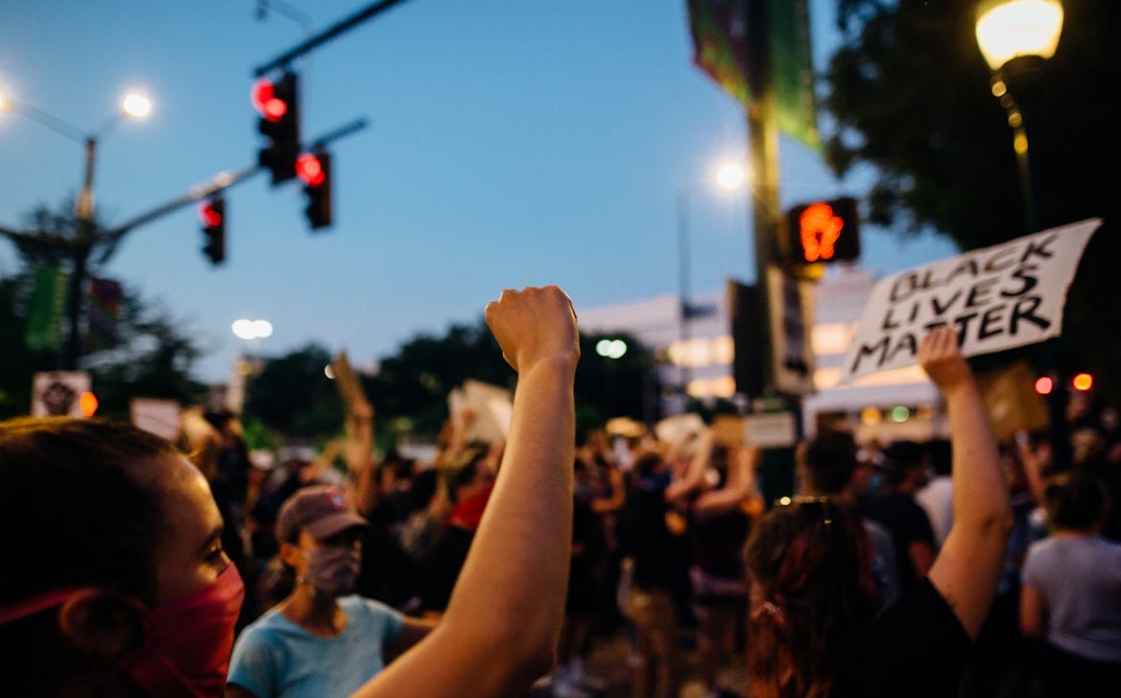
{"x": 997, "y": 298}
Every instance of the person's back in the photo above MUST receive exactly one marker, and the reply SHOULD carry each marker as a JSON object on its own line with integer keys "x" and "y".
{"x": 813, "y": 628}
{"x": 1071, "y": 596}
{"x": 826, "y": 465}
{"x": 902, "y": 467}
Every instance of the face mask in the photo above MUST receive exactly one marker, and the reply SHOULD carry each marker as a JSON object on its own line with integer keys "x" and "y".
{"x": 332, "y": 569}
{"x": 186, "y": 653}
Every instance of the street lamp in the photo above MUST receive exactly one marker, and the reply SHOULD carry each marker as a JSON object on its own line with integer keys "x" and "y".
{"x": 133, "y": 105}
{"x": 1016, "y": 37}
{"x": 729, "y": 176}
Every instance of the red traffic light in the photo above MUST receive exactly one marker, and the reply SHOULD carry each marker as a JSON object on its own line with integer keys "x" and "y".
{"x": 265, "y": 100}
{"x": 1083, "y": 382}
{"x": 1044, "y": 385}
{"x": 209, "y": 214}
{"x": 310, "y": 169}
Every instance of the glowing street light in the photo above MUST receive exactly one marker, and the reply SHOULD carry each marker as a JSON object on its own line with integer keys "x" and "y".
{"x": 252, "y": 329}
{"x": 611, "y": 348}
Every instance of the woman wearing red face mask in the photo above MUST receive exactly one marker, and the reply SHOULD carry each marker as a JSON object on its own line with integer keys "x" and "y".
{"x": 118, "y": 586}
{"x": 122, "y": 587}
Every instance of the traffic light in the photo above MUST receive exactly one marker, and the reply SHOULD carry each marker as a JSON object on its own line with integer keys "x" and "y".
{"x": 824, "y": 231}
{"x": 212, "y": 213}
{"x": 315, "y": 171}
{"x": 278, "y": 103}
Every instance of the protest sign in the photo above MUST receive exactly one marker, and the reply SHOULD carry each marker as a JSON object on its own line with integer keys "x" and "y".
{"x": 58, "y": 393}
{"x": 997, "y": 298}
{"x": 489, "y": 406}
{"x": 160, "y": 417}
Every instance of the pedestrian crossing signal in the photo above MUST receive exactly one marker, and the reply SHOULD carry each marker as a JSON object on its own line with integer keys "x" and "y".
{"x": 824, "y": 231}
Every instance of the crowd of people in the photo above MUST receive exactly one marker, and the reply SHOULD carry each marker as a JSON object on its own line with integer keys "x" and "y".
{"x": 962, "y": 567}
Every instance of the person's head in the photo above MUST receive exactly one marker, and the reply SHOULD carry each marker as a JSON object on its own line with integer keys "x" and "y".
{"x": 809, "y": 574}
{"x": 902, "y": 466}
{"x": 320, "y": 537}
{"x": 827, "y": 462}
{"x": 472, "y": 474}
{"x": 1078, "y": 501}
{"x": 118, "y": 541}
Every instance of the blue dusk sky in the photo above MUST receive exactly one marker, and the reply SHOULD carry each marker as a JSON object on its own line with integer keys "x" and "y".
{"x": 510, "y": 143}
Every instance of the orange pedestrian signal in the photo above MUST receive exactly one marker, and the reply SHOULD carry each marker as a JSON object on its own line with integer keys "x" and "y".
{"x": 88, "y": 404}
{"x": 824, "y": 231}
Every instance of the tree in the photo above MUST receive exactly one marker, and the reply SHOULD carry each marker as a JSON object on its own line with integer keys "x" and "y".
{"x": 291, "y": 394}
{"x": 910, "y": 94}
{"x": 153, "y": 357}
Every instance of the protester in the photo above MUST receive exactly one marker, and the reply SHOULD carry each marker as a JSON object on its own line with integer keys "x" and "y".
{"x": 322, "y": 640}
{"x": 124, "y": 589}
{"x": 827, "y": 464}
{"x": 812, "y": 628}
{"x": 1071, "y": 596}
{"x": 902, "y": 466}
{"x": 649, "y": 605}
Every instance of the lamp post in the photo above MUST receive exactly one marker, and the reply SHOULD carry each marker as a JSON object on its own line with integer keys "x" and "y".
{"x": 1016, "y": 37}
{"x": 730, "y": 176}
{"x": 134, "y": 105}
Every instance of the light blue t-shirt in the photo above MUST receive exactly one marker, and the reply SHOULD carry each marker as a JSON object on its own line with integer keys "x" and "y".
{"x": 275, "y": 658}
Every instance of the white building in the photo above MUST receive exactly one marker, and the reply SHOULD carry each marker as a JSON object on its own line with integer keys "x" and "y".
{"x": 890, "y": 405}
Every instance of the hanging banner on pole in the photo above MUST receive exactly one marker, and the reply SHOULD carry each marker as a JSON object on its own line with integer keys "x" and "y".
{"x": 719, "y": 31}
{"x": 793, "y": 70}
{"x": 48, "y": 302}
{"x": 997, "y": 298}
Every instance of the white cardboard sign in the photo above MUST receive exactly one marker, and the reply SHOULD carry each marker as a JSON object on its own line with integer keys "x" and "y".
{"x": 997, "y": 298}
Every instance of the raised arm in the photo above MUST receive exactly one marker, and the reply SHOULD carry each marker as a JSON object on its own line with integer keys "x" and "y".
{"x": 967, "y": 570}
{"x": 500, "y": 630}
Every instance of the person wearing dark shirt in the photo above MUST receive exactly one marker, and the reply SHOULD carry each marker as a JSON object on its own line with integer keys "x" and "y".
{"x": 644, "y": 540}
{"x": 812, "y": 626}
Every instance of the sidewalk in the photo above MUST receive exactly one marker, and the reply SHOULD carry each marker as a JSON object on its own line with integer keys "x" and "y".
{"x": 608, "y": 662}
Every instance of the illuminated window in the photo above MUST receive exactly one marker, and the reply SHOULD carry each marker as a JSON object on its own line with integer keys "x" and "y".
{"x": 832, "y": 338}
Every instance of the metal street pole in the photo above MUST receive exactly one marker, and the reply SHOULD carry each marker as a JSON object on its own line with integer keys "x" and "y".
{"x": 684, "y": 222}
{"x": 763, "y": 143}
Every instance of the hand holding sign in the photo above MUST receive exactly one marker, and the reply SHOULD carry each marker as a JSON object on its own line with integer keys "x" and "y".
{"x": 942, "y": 360}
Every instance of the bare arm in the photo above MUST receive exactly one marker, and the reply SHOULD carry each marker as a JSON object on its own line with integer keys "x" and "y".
{"x": 967, "y": 570}
{"x": 695, "y": 473}
{"x": 500, "y": 630}
{"x": 740, "y": 485}
{"x": 1033, "y": 615}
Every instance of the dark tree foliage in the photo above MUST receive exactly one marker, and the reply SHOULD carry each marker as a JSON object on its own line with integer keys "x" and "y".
{"x": 291, "y": 394}
{"x": 153, "y": 358}
{"x": 910, "y": 93}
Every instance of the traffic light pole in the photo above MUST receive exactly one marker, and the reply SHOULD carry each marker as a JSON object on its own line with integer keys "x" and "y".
{"x": 776, "y": 467}
{"x": 326, "y": 35}
{"x": 89, "y": 237}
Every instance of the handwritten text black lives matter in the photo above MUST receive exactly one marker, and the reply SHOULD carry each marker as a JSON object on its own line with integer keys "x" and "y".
{"x": 983, "y": 297}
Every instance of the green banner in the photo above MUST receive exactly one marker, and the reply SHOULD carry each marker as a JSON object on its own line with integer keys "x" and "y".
{"x": 48, "y": 304}
{"x": 793, "y": 70}
{"x": 719, "y": 29}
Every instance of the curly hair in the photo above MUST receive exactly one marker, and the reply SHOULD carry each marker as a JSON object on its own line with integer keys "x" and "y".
{"x": 809, "y": 568}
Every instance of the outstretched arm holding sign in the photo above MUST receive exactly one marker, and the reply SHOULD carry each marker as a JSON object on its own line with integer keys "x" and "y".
{"x": 967, "y": 569}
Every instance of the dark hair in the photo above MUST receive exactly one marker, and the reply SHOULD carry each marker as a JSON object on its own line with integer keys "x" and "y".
{"x": 76, "y": 508}
{"x": 647, "y": 463}
{"x": 828, "y": 460}
{"x": 1078, "y": 503}
{"x": 941, "y": 456}
{"x": 809, "y": 565}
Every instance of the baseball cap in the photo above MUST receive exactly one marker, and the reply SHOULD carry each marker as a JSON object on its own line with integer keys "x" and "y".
{"x": 321, "y": 510}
